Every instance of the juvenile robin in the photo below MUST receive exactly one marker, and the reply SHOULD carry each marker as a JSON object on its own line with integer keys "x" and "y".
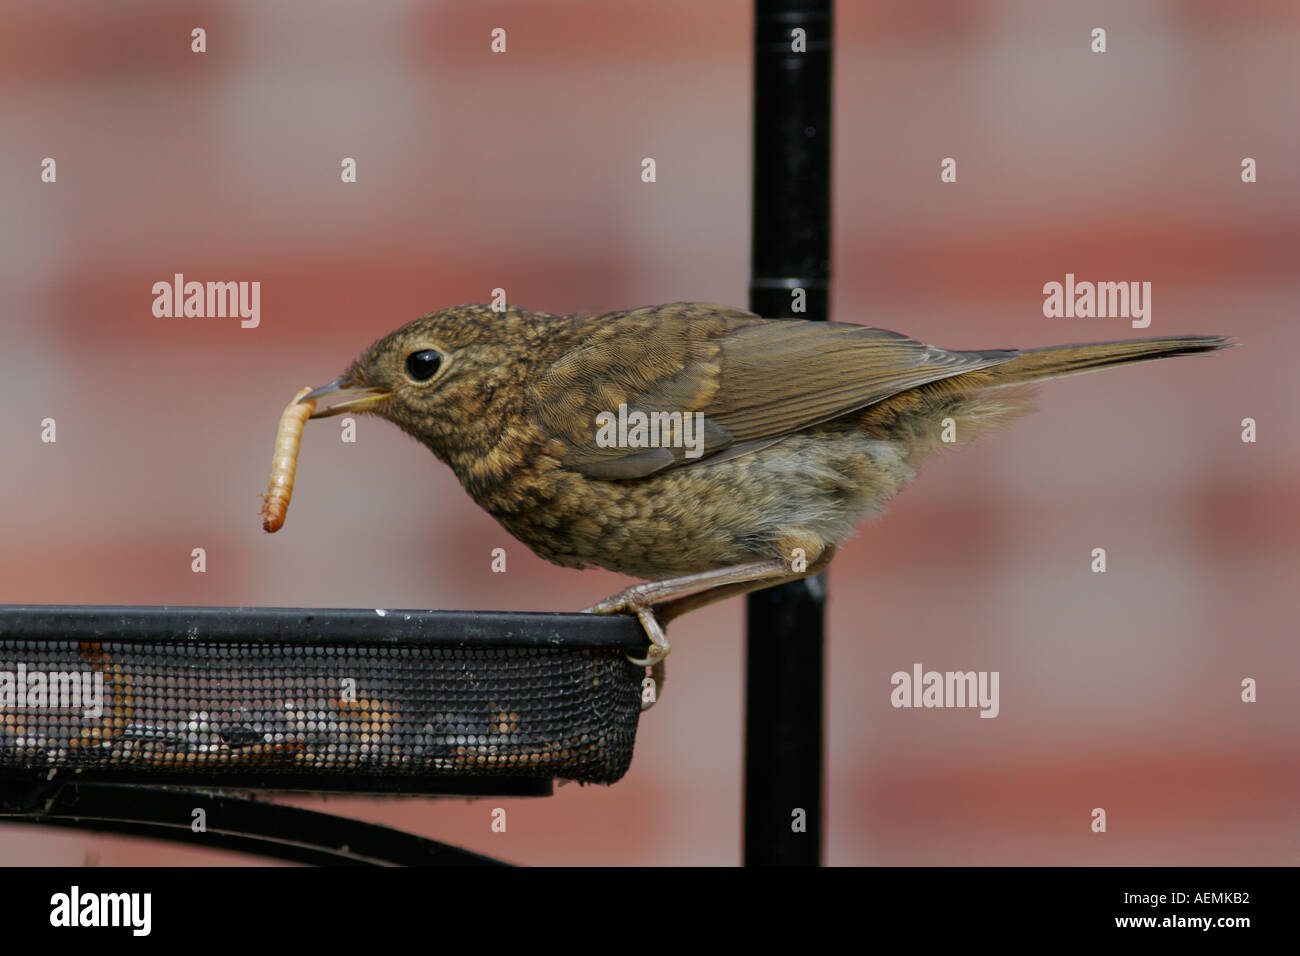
{"x": 700, "y": 447}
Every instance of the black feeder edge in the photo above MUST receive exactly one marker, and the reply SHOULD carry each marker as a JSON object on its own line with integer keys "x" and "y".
{"x": 145, "y": 778}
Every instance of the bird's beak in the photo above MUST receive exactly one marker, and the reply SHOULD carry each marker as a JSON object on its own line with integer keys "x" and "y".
{"x": 356, "y": 398}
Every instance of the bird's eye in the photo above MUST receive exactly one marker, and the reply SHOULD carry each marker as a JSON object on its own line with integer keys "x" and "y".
{"x": 423, "y": 365}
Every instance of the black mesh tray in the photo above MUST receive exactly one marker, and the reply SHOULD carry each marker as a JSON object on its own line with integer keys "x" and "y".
{"x": 322, "y": 699}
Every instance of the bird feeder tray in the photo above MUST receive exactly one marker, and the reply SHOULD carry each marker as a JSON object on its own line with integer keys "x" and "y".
{"x": 349, "y": 700}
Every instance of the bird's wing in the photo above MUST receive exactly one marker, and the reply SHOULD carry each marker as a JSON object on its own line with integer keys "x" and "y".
{"x": 753, "y": 380}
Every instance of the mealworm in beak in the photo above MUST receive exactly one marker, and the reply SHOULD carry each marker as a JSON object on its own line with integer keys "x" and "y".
{"x": 285, "y": 461}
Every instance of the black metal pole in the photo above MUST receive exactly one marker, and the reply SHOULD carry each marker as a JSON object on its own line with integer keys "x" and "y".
{"x": 791, "y": 273}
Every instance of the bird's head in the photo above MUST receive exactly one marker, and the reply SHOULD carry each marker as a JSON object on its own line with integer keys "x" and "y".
{"x": 442, "y": 378}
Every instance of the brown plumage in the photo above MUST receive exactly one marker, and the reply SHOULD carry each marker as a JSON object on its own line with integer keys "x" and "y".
{"x": 805, "y": 428}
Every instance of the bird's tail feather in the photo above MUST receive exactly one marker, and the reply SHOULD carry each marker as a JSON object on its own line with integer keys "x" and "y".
{"x": 964, "y": 407}
{"x": 1034, "y": 365}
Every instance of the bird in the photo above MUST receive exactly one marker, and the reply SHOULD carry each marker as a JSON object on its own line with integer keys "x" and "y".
{"x": 702, "y": 448}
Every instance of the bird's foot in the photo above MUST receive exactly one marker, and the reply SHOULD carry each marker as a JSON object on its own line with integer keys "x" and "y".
{"x": 633, "y": 600}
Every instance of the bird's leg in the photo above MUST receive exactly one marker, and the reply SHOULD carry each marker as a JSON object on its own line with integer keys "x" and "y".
{"x": 671, "y": 609}
{"x": 641, "y": 599}
{"x": 655, "y": 603}
{"x": 668, "y": 610}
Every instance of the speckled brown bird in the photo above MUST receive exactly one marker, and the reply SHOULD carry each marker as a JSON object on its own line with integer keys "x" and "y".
{"x": 805, "y": 428}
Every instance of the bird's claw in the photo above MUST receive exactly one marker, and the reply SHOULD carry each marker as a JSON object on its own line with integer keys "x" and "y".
{"x": 655, "y": 655}
{"x": 627, "y": 601}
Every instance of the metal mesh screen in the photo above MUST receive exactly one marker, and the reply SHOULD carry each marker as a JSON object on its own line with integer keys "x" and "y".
{"x": 406, "y": 705}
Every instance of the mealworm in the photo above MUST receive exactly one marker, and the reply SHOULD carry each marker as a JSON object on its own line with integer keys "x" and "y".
{"x": 285, "y": 461}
